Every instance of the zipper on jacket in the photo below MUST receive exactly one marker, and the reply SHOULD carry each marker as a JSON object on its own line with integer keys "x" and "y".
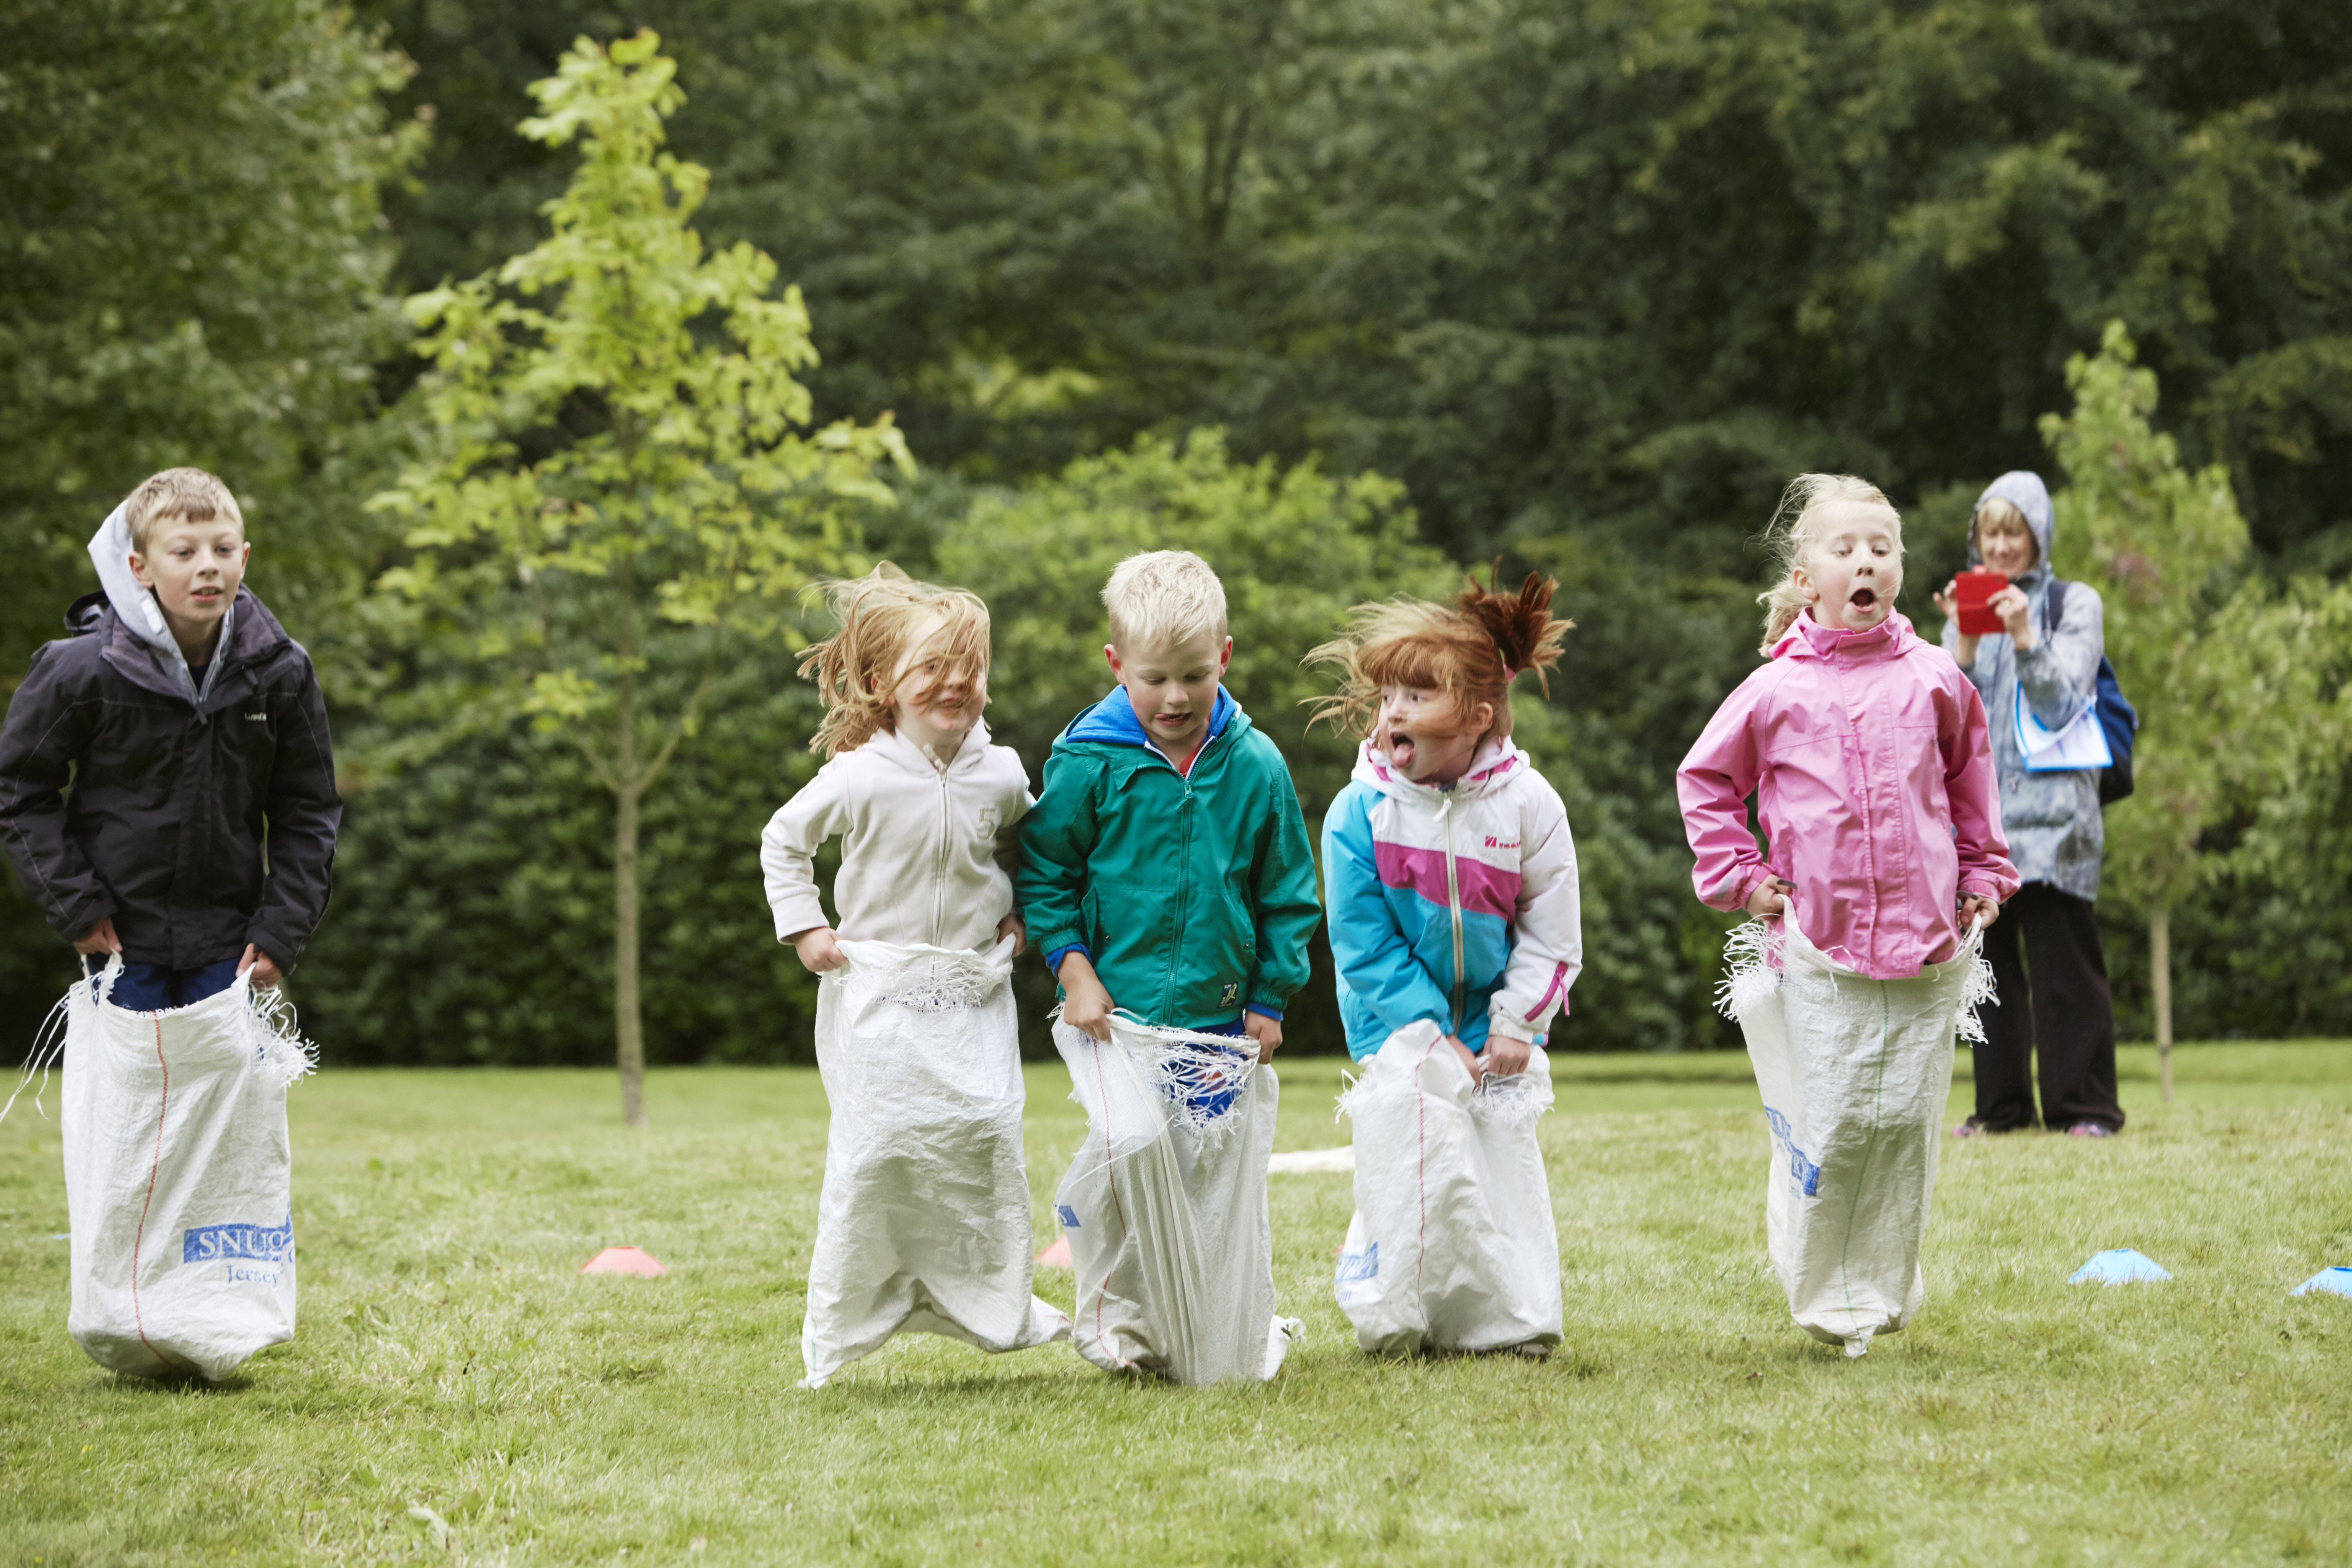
{"x": 1453, "y": 905}
{"x": 1183, "y": 858}
{"x": 940, "y": 861}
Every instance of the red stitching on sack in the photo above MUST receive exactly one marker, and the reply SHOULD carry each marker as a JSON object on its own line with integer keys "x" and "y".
{"x": 138, "y": 1244}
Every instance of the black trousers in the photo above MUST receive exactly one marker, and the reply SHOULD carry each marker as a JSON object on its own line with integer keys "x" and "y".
{"x": 2053, "y": 1001}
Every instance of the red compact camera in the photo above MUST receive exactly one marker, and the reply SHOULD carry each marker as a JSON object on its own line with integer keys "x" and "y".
{"x": 1972, "y": 592}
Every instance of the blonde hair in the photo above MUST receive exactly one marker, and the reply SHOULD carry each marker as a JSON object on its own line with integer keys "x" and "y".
{"x": 1161, "y": 599}
{"x": 190, "y": 494}
{"x": 2001, "y": 516}
{"x": 1471, "y": 650}
{"x": 879, "y": 616}
{"x": 1795, "y": 521}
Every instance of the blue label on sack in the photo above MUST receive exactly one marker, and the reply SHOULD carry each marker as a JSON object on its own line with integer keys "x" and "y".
{"x": 260, "y": 1243}
{"x": 1069, "y": 1215}
{"x": 1802, "y": 1170}
{"x": 1358, "y": 1265}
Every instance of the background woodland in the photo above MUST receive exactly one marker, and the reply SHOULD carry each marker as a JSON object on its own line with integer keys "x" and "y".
{"x": 1351, "y": 297}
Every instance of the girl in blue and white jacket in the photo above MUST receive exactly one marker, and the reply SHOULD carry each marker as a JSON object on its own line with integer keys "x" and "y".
{"x": 1449, "y": 871}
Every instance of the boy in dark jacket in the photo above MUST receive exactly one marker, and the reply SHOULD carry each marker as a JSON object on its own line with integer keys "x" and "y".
{"x": 167, "y": 789}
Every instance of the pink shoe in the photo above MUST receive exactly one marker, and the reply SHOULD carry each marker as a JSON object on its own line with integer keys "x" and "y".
{"x": 2089, "y": 1130}
{"x": 1967, "y": 1129}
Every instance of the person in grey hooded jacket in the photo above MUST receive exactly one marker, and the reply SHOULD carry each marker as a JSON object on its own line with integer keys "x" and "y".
{"x": 2052, "y": 977}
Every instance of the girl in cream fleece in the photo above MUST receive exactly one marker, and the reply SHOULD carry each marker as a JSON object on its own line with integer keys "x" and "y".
{"x": 924, "y": 1223}
{"x": 911, "y": 786}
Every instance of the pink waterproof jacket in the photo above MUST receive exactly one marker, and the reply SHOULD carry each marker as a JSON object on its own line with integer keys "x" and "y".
{"x": 1874, "y": 781}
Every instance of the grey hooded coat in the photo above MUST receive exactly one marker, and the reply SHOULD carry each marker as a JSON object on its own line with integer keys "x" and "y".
{"x": 2052, "y": 819}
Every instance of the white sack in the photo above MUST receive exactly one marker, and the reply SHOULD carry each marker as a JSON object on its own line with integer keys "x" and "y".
{"x": 923, "y": 1223}
{"x": 1854, "y": 1074}
{"x": 179, "y": 1178}
{"x": 1165, "y": 1206}
{"x": 1452, "y": 1248}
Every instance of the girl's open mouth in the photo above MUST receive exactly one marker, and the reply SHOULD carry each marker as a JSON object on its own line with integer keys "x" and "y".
{"x": 1863, "y": 599}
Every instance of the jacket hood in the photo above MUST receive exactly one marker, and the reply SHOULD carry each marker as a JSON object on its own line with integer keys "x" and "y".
{"x": 251, "y": 636}
{"x": 1498, "y": 762}
{"x": 1112, "y": 721}
{"x": 2023, "y": 490}
{"x": 1808, "y": 639}
{"x": 141, "y": 616}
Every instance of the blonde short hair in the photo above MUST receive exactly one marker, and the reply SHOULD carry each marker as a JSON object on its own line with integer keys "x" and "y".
{"x": 1795, "y": 523}
{"x": 189, "y": 494}
{"x": 1998, "y": 516}
{"x": 879, "y": 616}
{"x": 1163, "y": 598}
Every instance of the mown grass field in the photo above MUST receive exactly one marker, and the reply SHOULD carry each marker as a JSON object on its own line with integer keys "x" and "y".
{"x": 452, "y": 1358}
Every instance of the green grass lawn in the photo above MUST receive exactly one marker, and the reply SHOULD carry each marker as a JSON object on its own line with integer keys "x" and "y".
{"x": 452, "y": 1358}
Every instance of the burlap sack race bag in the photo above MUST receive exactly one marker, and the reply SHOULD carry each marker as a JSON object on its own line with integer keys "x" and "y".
{"x": 1165, "y": 1205}
{"x": 923, "y": 1223}
{"x": 179, "y": 1175}
{"x": 1452, "y": 1246}
{"x": 1854, "y": 1074}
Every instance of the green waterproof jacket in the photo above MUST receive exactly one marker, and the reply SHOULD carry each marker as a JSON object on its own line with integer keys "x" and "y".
{"x": 1193, "y": 897}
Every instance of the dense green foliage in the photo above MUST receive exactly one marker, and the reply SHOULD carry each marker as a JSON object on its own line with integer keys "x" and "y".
{"x": 1589, "y": 279}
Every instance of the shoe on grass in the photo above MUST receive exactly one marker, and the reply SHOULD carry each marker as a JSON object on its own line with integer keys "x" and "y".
{"x": 2089, "y": 1130}
{"x": 1534, "y": 1350}
{"x": 1967, "y": 1129}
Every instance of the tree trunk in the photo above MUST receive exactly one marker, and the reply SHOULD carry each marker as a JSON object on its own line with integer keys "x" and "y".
{"x": 2159, "y": 976}
{"x": 628, "y": 1016}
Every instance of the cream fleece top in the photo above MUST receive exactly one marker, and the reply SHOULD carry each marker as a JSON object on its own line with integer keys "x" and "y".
{"x": 918, "y": 843}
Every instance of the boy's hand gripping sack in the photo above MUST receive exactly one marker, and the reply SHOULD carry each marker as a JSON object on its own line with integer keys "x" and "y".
{"x": 1854, "y": 1074}
{"x": 179, "y": 1177}
{"x": 923, "y": 1223}
{"x": 1452, "y": 1248}
{"x": 1165, "y": 1209}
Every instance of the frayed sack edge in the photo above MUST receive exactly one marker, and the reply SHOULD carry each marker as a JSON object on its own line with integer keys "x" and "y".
{"x": 279, "y": 1051}
{"x": 1752, "y": 961}
{"x": 1513, "y": 1103}
{"x": 1182, "y": 1066}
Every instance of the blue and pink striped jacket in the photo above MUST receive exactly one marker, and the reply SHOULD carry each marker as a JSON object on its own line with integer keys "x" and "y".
{"x": 1458, "y": 904}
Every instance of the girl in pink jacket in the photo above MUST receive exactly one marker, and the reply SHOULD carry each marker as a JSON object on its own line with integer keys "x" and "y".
{"x": 1865, "y": 749}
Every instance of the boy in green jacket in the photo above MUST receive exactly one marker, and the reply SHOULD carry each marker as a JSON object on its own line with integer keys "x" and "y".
{"x": 1166, "y": 869}
{"x": 1166, "y": 873}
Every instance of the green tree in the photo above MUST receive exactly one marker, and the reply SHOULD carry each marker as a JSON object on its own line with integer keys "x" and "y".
{"x": 2238, "y": 686}
{"x": 614, "y": 465}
